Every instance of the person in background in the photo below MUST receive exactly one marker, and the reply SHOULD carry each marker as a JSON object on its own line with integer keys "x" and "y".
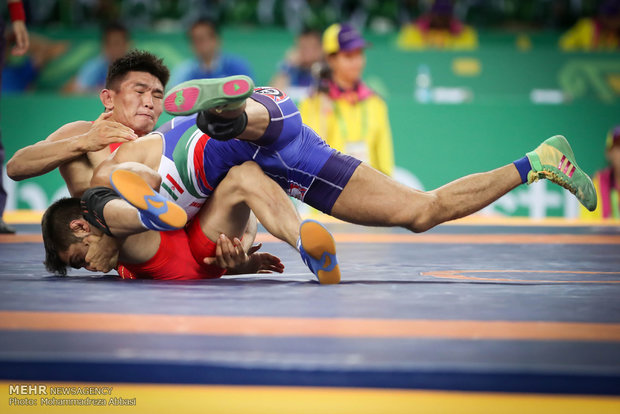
{"x": 601, "y": 32}
{"x": 344, "y": 110}
{"x": 209, "y": 60}
{"x": 91, "y": 76}
{"x": 22, "y": 43}
{"x": 438, "y": 29}
{"x": 607, "y": 181}
{"x": 294, "y": 74}
{"x": 21, "y": 72}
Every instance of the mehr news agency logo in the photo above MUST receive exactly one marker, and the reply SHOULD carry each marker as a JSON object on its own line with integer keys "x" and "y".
{"x": 46, "y": 395}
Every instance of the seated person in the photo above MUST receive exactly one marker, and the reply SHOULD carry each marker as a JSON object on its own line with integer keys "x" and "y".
{"x": 91, "y": 77}
{"x": 295, "y": 72}
{"x": 438, "y": 29}
{"x": 601, "y": 32}
{"x": 209, "y": 60}
{"x": 20, "y": 73}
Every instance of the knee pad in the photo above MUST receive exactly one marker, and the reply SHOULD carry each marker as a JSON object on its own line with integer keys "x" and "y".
{"x": 220, "y": 128}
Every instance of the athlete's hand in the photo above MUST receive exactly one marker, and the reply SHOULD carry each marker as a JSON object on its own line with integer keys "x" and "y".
{"x": 102, "y": 255}
{"x": 263, "y": 263}
{"x": 105, "y": 132}
{"x": 229, "y": 254}
{"x": 22, "y": 40}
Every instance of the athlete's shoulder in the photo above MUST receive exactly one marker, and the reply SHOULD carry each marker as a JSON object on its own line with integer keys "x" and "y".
{"x": 69, "y": 130}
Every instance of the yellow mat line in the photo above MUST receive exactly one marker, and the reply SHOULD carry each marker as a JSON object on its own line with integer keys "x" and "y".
{"x": 187, "y": 399}
{"x": 308, "y": 327}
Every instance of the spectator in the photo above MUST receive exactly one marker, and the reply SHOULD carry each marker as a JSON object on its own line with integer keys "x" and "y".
{"x": 91, "y": 77}
{"x": 209, "y": 61}
{"x": 607, "y": 181}
{"x": 21, "y": 72}
{"x": 438, "y": 29}
{"x": 295, "y": 72}
{"x": 22, "y": 43}
{"x": 601, "y": 32}
{"x": 344, "y": 110}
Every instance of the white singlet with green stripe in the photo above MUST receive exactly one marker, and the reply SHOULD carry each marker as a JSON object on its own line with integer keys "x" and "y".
{"x": 182, "y": 164}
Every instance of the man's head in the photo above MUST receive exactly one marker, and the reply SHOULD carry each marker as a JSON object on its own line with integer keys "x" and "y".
{"x": 134, "y": 90}
{"x": 205, "y": 38}
{"x": 613, "y": 148}
{"x": 64, "y": 236}
{"x": 309, "y": 48}
{"x": 344, "y": 47}
{"x": 115, "y": 41}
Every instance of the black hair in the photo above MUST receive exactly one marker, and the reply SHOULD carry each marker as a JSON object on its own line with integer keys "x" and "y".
{"x": 310, "y": 31}
{"x": 206, "y": 22}
{"x": 112, "y": 27}
{"x": 57, "y": 234}
{"x": 136, "y": 61}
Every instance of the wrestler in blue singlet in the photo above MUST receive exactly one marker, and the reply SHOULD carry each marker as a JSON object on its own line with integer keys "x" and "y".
{"x": 289, "y": 152}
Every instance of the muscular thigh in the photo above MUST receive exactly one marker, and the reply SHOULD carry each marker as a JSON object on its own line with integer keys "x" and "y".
{"x": 372, "y": 198}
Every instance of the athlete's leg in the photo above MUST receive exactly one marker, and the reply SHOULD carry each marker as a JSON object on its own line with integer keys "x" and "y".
{"x": 263, "y": 115}
{"x": 257, "y": 119}
{"x": 372, "y": 198}
{"x": 247, "y": 187}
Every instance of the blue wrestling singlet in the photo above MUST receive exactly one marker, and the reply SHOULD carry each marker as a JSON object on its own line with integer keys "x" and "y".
{"x": 289, "y": 152}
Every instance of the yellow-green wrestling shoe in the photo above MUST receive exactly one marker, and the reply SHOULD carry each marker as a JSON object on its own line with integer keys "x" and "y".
{"x": 555, "y": 161}
{"x": 201, "y": 94}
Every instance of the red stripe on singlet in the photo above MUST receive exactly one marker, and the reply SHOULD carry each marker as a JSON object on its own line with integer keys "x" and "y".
{"x": 114, "y": 146}
{"x": 199, "y": 160}
{"x": 174, "y": 183}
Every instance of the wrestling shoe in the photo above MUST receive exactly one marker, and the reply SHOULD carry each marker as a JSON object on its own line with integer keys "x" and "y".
{"x": 201, "y": 94}
{"x": 156, "y": 212}
{"x": 318, "y": 251}
{"x": 555, "y": 161}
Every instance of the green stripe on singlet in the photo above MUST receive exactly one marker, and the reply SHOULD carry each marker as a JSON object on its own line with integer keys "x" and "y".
{"x": 180, "y": 156}
{"x": 169, "y": 191}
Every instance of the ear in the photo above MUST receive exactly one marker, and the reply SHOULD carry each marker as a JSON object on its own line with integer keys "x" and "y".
{"x": 80, "y": 227}
{"x": 107, "y": 99}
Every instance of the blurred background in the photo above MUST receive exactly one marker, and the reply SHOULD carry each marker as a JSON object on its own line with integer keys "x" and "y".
{"x": 470, "y": 85}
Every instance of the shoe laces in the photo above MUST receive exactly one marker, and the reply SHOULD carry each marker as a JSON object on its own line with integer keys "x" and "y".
{"x": 559, "y": 179}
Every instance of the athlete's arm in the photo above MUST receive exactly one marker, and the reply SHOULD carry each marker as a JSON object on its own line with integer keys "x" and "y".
{"x": 141, "y": 156}
{"x": 65, "y": 144}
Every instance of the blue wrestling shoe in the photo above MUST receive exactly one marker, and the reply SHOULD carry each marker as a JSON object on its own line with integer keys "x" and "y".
{"x": 318, "y": 251}
{"x": 200, "y": 94}
{"x": 156, "y": 212}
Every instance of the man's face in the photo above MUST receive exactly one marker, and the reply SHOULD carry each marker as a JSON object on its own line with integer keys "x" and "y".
{"x": 75, "y": 255}
{"x": 115, "y": 45}
{"x": 205, "y": 41}
{"x": 348, "y": 65}
{"x": 613, "y": 155}
{"x": 310, "y": 50}
{"x": 138, "y": 103}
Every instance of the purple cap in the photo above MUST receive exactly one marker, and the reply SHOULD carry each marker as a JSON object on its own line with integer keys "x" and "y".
{"x": 609, "y": 8}
{"x": 613, "y": 137}
{"x": 342, "y": 37}
{"x": 442, "y": 7}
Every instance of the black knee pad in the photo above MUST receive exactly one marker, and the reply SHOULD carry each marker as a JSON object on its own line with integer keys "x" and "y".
{"x": 221, "y": 128}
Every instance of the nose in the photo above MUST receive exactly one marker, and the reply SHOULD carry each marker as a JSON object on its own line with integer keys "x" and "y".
{"x": 148, "y": 100}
